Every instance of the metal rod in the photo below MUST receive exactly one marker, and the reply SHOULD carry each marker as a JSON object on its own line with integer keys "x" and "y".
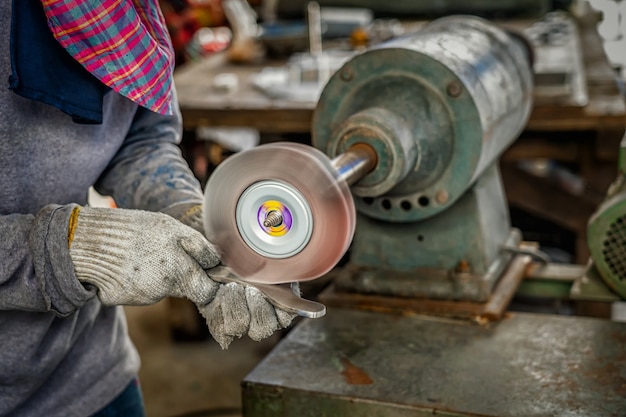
{"x": 355, "y": 163}
{"x": 509, "y": 282}
{"x": 315, "y": 28}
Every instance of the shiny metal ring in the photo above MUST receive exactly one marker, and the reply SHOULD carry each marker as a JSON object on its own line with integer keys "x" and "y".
{"x": 279, "y": 242}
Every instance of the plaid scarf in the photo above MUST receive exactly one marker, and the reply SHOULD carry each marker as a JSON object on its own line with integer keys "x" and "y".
{"x": 123, "y": 43}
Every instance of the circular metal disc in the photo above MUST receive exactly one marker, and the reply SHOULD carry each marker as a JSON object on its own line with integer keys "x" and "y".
{"x": 297, "y": 176}
{"x": 291, "y": 235}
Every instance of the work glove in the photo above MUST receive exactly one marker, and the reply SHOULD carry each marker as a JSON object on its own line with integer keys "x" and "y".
{"x": 240, "y": 309}
{"x": 237, "y": 309}
{"x": 189, "y": 214}
{"x": 137, "y": 257}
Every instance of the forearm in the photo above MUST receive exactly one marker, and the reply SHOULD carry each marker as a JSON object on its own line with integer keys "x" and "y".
{"x": 39, "y": 275}
{"x": 148, "y": 171}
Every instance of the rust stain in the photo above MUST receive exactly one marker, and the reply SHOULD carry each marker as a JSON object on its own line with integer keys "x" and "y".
{"x": 463, "y": 266}
{"x": 619, "y": 337}
{"x": 353, "y": 374}
{"x": 609, "y": 375}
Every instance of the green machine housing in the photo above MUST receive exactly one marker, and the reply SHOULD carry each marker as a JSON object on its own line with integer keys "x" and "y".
{"x": 606, "y": 233}
{"x": 438, "y": 107}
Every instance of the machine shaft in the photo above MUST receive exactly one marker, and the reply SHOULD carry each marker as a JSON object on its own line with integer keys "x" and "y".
{"x": 355, "y": 163}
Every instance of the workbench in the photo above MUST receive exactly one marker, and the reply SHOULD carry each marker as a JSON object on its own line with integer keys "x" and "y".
{"x": 363, "y": 364}
{"x": 581, "y": 133}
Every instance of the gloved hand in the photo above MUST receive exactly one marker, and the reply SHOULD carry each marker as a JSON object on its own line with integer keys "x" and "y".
{"x": 240, "y": 309}
{"x": 189, "y": 214}
{"x": 136, "y": 257}
{"x": 237, "y": 309}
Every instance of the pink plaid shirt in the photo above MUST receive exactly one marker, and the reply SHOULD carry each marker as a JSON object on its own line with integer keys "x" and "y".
{"x": 123, "y": 43}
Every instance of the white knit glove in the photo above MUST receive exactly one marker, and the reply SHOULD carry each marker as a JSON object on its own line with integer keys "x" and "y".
{"x": 189, "y": 214}
{"x": 136, "y": 257}
{"x": 240, "y": 309}
{"x": 237, "y": 309}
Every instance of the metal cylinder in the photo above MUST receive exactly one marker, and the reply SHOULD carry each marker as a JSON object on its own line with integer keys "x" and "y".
{"x": 356, "y": 163}
{"x": 385, "y": 134}
{"x": 438, "y": 107}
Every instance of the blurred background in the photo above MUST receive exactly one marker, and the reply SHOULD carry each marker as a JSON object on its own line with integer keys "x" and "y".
{"x": 251, "y": 72}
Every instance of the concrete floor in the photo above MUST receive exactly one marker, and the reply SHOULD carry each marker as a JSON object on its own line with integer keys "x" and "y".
{"x": 190, "y": 379}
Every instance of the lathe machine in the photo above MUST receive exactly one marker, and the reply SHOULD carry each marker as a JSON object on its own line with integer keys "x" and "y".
{"x": 407, "y": 135}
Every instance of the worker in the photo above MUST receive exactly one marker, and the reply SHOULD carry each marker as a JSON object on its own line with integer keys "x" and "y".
{"x": 90, "y": 101}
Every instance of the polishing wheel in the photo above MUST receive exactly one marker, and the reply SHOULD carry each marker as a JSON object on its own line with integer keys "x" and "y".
{"x": 279, "y": 213}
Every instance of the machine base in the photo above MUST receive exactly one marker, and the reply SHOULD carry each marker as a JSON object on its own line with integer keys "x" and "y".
{"x": 428, "y": 283}
{"x": 455, "y": 255}
{"x": 481, "y": 312}
{"x": 362, "y": 364}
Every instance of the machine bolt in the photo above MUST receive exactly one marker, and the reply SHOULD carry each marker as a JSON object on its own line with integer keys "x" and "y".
{"x": 273, "y": 219}
{"x": 463, "y": 266}
{"x": 347, "y": 74}
{"x": 442, "y": 196}
{"x": 454, "y": 89}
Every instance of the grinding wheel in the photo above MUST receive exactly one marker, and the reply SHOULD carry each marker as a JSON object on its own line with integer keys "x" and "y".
{"x": 278, "y": 213}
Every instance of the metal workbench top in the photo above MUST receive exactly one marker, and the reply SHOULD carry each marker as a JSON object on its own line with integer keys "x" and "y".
{"x": 356, "y": 363}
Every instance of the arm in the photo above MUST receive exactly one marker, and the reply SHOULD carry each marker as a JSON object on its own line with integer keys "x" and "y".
{"x": 66, "y": 255}
{"x": 148, "y": 171}
{"x": 38, "y": 274}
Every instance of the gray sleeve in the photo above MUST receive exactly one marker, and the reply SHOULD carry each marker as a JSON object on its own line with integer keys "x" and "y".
{"x": 149, "y": 172}
{"x": 39, "y": 275}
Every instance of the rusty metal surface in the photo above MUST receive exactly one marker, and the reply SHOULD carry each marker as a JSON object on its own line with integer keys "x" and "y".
{"x": 492, "y": 309}
{"x": 355, "y": 363}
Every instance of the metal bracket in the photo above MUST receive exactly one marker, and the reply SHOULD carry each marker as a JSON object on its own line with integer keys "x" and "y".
{"x": 534, "y": 253}
{"x": 286, "y": 297}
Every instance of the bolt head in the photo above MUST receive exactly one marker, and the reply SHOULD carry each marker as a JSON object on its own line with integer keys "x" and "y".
{"x": 346, "y": 74}
{"x": 454, "y": 89}
{"x": 442, "y": 197}
{"x": 463, "y": 266}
